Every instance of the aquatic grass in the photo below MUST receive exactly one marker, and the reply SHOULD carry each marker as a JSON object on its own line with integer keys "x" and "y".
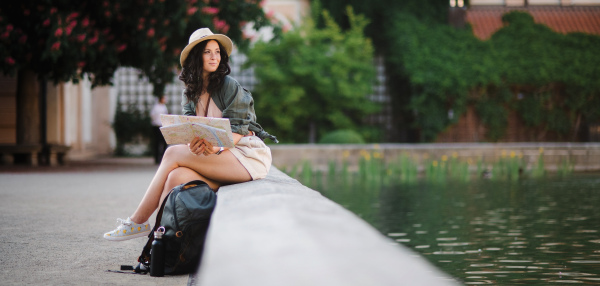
{"x": 565, "y": 168}
{"x": 374, "y": 170}
{"x": 307, "y": 173}
{"x": 539, "y": 170}
{"x": 407, "y": 168}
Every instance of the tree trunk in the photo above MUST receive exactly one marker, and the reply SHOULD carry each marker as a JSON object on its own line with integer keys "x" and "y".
{"x": 28, "y": 108}
{"x": 312, "y": 133}
{"x": 576, "y": 129}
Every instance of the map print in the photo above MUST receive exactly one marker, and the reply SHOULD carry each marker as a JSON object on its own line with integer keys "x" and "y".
{"x": 181, "y": 129}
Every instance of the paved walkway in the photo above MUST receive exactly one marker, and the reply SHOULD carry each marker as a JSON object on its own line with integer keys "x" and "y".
{"x": 52, "y": 220}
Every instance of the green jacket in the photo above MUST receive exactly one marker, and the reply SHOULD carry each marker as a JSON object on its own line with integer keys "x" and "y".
{"x": 237, "y": 104}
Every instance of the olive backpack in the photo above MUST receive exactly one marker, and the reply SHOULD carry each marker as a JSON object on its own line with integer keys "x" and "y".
{"x": 185, "y": 215}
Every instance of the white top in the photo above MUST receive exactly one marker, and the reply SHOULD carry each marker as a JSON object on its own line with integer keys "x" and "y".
{"x": 156, "y": 111}
{"x": 213, "y": 109}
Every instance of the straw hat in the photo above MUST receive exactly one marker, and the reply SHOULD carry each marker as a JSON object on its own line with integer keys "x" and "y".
{"x": 204, "y": 34}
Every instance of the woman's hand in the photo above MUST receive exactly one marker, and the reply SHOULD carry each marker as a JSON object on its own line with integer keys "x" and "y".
{"x": 197, "y": 146}
{"x": 202, "y": 147}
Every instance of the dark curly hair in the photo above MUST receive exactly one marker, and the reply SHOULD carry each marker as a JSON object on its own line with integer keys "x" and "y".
{"x": 191, "y": 72}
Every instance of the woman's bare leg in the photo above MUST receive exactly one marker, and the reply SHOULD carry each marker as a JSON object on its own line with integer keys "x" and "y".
{"x": 215, "y": 169}
{"x": 182, "y": 175}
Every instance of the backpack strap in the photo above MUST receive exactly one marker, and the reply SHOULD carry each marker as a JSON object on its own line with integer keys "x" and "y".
{"x": 145, "y": 256}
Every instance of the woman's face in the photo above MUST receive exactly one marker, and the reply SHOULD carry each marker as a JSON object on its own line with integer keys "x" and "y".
{"x": 211, "y": 57}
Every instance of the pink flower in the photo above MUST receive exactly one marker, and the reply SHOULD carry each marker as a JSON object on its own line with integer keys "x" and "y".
{"x": 93, "y": 40}
{"x": 163, "y": 47}
{"x": 68, "y": 30}
{"x": 192, "y": 10}
{"x": 55, "y": 46}
{"x": 140, "y": 26}
{"x": 9, "y": 61}
{"x": 121, "y": 48}
{"x": 23, "y": 39}
{"x": 46, "y": 23}
{"x": 270, "y": 14}
{"x": 210, "y": 10}
{"x": 53, "y": 10}
{"x": 286, "y": 28}
{"x": 58, "y": 32}
{"x": 150, "y": 33}
{"x": 81, "y": 37}
{"x": 220, "y": 25}
{"x": 72, "y": 16}
{"x": 107, "y": 14}
{"x": 9, "y": 27}
{"x": 81, "y": 64}
{"x": 4, "y": 35}
{"x": 85, "y": 22}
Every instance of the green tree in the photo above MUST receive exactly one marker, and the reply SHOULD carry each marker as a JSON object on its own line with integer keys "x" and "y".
{"x": 314, "y": 80}
{"x": 383, "y": 15}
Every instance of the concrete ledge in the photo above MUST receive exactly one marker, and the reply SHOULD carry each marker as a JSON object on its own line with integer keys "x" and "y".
{"x": 276, "y": 232}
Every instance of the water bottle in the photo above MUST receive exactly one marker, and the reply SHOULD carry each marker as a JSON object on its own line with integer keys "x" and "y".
{"x": 157, "y": 254}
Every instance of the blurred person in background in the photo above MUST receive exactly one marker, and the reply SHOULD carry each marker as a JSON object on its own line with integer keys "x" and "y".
{"x": 159, "y": 145}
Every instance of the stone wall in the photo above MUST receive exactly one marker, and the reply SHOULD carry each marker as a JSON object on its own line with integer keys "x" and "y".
{"x": 584, "y": 156}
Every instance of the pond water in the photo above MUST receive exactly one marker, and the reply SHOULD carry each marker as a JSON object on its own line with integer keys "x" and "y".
{"x": 526, "y": 232}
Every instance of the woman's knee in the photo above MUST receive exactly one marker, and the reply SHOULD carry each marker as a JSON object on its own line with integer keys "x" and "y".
{"x": 180, "y": 176}
{"x": 176, "y": 151}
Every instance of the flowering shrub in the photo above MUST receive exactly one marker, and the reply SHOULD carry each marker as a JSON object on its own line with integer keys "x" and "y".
{"x": 67, "y": 40}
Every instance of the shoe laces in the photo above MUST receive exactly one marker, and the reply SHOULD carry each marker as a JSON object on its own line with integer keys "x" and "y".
{"x": 121, "y": 221}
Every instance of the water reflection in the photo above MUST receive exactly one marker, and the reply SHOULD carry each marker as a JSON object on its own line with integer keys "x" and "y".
{"x": 531, "y": 232}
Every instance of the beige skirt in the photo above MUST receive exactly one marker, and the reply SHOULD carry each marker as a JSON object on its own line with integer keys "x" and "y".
{"x": 254, "y": 155}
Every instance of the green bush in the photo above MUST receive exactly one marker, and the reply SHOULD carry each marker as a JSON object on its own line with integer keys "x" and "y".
{"x": 314, "y": 80}
{"x": 130, "y": 125}
{"x": 342, "y": 137}
{"x": 549, "y": 78}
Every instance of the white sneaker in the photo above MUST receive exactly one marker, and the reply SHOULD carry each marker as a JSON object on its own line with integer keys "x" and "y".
{"x": 128, "y": 229}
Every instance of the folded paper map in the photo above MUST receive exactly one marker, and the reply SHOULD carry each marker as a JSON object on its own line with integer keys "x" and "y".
{"x": 181, "y": 129}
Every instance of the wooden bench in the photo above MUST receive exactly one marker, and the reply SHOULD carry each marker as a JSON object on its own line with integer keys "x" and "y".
{"x": 9, "y": 151}
{"x": 34, "y": 154}
{"x": 57, "y": 154}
